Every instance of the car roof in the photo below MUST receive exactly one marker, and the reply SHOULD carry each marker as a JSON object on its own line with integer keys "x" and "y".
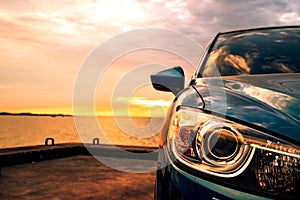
{"x": 259, "y": 29}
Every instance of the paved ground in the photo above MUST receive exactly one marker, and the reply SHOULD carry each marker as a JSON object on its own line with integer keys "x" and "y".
{"x": 76, "y": 177}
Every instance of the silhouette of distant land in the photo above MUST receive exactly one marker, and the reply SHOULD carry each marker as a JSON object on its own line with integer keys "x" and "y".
{"x": 33, "y": 114}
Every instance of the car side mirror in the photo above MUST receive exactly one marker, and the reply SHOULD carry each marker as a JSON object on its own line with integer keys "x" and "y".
{"x": 169, "y": 80}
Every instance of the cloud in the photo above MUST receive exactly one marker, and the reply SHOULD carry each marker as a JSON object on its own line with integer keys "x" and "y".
{"x": 206, "y": 17}
{"x": 95, "y": 21}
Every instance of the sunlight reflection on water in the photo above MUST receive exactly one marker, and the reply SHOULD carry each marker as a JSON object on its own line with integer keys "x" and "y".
{"x": 16, "y": 131}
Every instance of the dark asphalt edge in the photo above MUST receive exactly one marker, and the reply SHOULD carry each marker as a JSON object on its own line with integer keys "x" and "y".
{"x": 22, "y": 155}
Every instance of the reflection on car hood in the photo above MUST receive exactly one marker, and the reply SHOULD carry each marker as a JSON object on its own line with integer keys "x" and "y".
{"x": 269, "y": 101}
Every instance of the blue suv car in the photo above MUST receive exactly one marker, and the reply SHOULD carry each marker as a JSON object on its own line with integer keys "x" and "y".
{"x": 234, "y": 131}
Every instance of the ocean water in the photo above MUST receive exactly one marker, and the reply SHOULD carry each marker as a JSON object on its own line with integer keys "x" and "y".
{"x": 17, "y": 131}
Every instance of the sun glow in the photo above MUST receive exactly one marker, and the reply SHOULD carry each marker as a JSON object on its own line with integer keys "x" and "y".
{"x": 149, "y": 103}
{"x": 118, "y": 13}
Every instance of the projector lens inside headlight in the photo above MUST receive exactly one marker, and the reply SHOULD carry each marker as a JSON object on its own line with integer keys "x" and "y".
{"x": 220, "y": 144}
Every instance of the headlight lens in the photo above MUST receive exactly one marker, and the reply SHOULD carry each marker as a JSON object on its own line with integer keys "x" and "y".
{"x": 223, "y": 148}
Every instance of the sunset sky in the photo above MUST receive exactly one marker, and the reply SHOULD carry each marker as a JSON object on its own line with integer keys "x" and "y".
{"x": 44, "y": 45}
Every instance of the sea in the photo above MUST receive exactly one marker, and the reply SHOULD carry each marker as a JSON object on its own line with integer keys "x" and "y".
{"x": 21, "y": 131}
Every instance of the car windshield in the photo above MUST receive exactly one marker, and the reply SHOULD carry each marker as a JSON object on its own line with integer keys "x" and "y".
{"x": 261, "y": 51}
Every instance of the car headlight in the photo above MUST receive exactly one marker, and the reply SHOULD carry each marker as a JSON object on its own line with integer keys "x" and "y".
{"x": 236, "y": 153}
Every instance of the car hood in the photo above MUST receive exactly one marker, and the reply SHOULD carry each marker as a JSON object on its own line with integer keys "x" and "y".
{"x": 268, "y": 101}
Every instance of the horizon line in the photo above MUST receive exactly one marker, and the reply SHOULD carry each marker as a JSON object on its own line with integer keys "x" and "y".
{"x": 5, "y": 113}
